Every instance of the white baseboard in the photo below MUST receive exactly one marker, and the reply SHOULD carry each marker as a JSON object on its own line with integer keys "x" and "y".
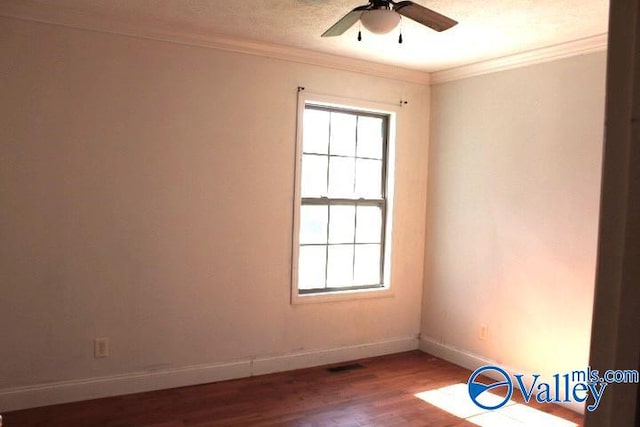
{"x": 323, "y": 357}
{"x": 473, "y": 361}
{"x": 92, "y": 388}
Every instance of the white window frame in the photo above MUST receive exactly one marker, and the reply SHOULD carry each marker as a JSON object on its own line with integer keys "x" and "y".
{"x": 391, "y": 112}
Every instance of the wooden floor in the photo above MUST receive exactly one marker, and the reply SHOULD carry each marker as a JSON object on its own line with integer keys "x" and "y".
{"x": 381, "y": 393}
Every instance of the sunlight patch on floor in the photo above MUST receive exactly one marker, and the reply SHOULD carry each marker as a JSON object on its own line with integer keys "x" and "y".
{"x": 455, "y": 400}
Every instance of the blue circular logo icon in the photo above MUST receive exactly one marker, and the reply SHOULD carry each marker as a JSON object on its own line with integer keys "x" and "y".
{"x": 477, "y": 388}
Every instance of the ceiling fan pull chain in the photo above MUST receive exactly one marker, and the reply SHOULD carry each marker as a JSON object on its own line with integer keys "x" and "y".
{"x": 359, "y": 36}
{"x": 400, "y": 38}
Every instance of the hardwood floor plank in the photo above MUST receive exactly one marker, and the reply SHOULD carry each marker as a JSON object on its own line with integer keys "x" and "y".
{"x": 382, "y": 393}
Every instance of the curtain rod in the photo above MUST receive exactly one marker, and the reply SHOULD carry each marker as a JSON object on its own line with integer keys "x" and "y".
{"x": 401, "y": 103}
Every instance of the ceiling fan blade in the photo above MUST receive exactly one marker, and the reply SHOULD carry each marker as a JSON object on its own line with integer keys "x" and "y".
{"x": 424, "y": 16}
{"x": 345, "y": 22}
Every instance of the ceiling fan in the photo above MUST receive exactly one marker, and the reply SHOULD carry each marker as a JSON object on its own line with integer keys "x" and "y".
{"x": 382, "y": 16}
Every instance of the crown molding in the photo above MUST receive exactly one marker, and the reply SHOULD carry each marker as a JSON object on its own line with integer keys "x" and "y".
{"x": 186, "y": 36}
{"x": 162, "y": 31}
{"x": 551, "y": 53}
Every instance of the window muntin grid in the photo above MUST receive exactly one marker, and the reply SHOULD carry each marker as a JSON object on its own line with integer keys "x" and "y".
{"x": 343, "y": 200}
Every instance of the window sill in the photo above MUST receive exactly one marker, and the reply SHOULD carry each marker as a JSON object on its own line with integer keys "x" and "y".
{"x": 341, "y": 296}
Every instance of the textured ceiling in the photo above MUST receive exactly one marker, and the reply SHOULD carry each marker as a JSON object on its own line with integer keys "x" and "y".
{"x": 487, "y": 29}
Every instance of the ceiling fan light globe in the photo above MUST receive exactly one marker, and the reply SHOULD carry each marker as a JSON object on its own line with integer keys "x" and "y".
{"x": 380, "y": 21}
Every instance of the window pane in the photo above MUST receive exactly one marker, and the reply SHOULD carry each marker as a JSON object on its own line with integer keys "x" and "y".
{"x": 315, "y": 138}
{"x": 314, "y": 176}
{"x": 343, "y": 134}
{"x": 312, "y": 261}
{"x": 369, "y": 224}
{"x": 369, "y": 178}
{"x": 342, "y": 224}
{"x": 370, "y": 137}
{"x": 341, "y": 177}
{"x": 367, "y": 265}
{"x": 340, "y": 268}
{"x": 341, "y": 213}
{"x": 313, "y": 224}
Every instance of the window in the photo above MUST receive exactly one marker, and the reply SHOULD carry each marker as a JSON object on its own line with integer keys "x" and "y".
{"x": 342, "y": 206}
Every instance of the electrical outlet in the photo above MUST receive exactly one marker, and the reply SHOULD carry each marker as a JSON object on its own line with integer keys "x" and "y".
{"x": 484, "y": 332}
{"x": 100, "y": 347}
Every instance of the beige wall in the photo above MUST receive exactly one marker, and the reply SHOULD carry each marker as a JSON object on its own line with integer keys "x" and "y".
{"x": 146, "y": 194}
{"x": 514, "y": 176}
